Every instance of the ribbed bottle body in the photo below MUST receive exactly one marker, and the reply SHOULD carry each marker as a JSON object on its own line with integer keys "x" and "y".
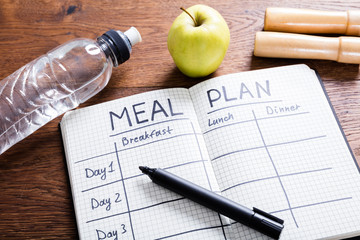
{"x": 49, "y": 86}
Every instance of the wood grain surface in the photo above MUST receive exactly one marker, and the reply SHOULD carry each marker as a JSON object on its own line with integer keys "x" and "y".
{"x": 35, "y": 196}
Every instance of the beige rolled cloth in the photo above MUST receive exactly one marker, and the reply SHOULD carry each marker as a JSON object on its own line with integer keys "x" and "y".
{"x": 312, "y": 21}
{"x": 291, "y": 45}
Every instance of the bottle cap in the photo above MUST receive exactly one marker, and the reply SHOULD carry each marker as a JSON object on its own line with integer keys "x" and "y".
{"x": 133, "y": 35}
{"x": 117, "y": 45}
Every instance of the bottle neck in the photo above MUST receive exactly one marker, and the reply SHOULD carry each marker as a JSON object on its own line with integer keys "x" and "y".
{"x": 116, "y": 46}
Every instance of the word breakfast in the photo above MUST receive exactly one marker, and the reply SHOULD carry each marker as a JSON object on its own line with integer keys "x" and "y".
{"x": 145, "y": 136}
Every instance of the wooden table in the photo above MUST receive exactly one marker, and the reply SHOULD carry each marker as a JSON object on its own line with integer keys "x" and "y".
{"x": 35, "y": 200}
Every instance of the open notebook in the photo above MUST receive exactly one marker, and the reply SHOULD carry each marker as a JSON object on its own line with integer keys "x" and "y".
{"x": 266, "y": 138}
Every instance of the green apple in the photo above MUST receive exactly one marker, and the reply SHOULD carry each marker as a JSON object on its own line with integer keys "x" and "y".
{"x": 198, "y": 40}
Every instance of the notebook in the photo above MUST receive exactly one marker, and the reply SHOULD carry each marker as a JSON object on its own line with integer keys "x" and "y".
{"x": 266, "y": 138}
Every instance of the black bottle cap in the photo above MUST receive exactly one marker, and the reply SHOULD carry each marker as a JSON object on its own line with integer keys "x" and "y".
{"x": 118, "y": 46}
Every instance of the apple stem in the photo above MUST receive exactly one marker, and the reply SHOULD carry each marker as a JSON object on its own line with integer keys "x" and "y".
{"x": 196, "y": 24}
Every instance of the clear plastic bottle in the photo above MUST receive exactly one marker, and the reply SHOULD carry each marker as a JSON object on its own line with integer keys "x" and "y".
{"x": 59, "y": 81}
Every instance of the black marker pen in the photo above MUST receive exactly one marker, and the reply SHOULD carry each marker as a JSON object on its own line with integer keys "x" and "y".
{"x": 256, "y": 219}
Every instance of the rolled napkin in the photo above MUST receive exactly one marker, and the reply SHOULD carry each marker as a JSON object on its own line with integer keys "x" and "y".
{"x": 291, "y": 45}
{"x": 312, "y": 21}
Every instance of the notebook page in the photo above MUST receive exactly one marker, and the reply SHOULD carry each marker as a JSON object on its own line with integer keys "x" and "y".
{"x": 275, "y": 144}
{"x": 106, "y": 143}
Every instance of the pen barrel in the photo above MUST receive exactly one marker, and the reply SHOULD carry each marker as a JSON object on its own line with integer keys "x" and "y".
{"x": 202, "y": 196}
{"x": 290, "y": 45}
{"x": 217, "y": 203}
{"x": 312, "y": 21}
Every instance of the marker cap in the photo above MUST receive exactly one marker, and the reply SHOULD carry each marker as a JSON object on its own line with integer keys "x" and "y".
{"x": 267, "y": 223}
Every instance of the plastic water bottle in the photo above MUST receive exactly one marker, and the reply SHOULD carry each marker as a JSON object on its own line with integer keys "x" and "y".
{"x": 59, "y": 81}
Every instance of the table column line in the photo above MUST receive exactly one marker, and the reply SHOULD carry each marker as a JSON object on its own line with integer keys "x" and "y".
{"x": 123, "y": 183}
{"x": 207, "y": 176}
{"x": 276, "y": 171}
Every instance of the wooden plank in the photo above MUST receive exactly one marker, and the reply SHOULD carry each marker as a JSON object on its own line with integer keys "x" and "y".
{"x": 35, "y": 200}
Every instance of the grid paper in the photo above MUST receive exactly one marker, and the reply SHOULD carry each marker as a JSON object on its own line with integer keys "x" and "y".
{"x": 112, "y": 198}
{"x": 269, "y": 140}
{"x": 274, "y": 144}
